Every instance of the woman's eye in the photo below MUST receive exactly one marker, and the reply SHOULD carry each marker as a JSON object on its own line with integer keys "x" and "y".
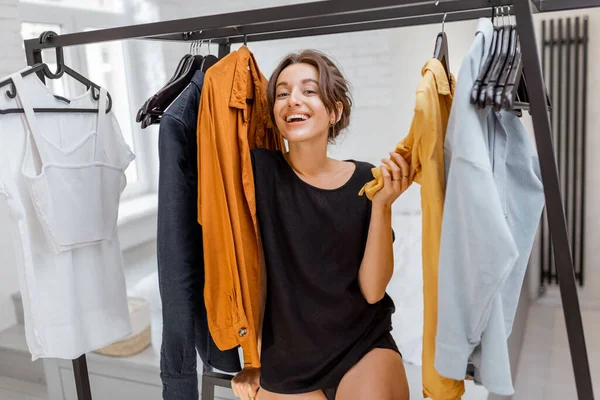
{"x": 309, "y": 91}
{"x": 282, "y": 94}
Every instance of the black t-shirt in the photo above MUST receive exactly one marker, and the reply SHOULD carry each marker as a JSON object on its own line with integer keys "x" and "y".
{"x": 317, "y": 323}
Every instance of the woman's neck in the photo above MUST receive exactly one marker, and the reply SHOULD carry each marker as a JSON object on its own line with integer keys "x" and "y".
{"x": 309, "y": 158}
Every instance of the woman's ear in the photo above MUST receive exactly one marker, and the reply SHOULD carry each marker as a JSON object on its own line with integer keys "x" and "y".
{"x": 340, "y": 108}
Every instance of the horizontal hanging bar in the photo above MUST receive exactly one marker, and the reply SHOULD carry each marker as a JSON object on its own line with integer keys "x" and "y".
{"x": 387, "y": 24}
{"x": 562, "y": 5}
{"x": 411, "y": 15}
{"x": 271, "y": 20}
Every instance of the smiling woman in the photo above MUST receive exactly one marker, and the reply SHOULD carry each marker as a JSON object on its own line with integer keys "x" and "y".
{"x": 325, "y": 94}
{"x": 325, "y": 324}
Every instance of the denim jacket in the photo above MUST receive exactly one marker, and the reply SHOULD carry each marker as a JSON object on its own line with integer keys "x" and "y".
{"x": 493, "y": 202}
{"x": 180, "y": 254}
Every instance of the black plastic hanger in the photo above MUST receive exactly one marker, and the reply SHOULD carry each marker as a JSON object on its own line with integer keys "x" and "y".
{"x": 487, "y": 63}
{"x": 151, "y": 106}
{"x": 209, "y": 60}
{"x": 440, "y": 51}
{"x": 480, "y": 102}
{"x": 165, "y": 96}
{"x": 144, "y": 109}
{"x": 516, "y": 95}
{"x": 497, "y": 56}
{"x": 513, "y": 81}
{"x": 158, "y": 103}
{"x": 61, "y": 69}
{"x": 493, "y": 77}
{"x": 502, "y": 80}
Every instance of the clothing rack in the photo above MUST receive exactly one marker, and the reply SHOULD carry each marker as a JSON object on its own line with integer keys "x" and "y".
{"x": 340, "y": 16}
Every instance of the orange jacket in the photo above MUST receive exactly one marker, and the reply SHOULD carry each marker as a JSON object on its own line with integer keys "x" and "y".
{"x": 228, "y": 127}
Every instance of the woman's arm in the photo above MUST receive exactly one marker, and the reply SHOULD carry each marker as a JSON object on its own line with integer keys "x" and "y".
{"x": 377, "y": 265}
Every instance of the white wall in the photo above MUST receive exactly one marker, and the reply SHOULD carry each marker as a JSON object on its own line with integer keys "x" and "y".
{"x": 12, "y": 58}
{"x": 590, "y": 293}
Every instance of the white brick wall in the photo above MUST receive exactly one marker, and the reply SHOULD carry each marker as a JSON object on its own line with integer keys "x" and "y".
{"x": 12, "y": 56}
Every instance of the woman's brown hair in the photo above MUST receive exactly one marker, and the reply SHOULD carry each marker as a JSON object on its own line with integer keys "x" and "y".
{"x": 333, "y": 87}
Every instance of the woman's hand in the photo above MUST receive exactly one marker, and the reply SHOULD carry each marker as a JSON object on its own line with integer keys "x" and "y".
{"x": 394, "y": 183}
{"x": 246, "y": 383}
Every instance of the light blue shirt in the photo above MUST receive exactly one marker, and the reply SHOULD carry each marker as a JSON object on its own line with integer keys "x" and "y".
{"x": 493, "y": 203}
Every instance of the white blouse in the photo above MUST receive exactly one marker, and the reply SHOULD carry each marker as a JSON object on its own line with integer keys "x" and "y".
{"x": 63, "y": 175}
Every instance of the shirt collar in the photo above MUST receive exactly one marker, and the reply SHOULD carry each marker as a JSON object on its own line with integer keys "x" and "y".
{"x": 237, "y": 98}
{"x": 441, "y": 79}
{"x": 198, "y": 78}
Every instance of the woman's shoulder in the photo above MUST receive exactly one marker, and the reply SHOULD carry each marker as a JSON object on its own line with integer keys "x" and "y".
{"x": 264, "y": 158}
{"x": 259, "y": 153}
{"x": 364, "y": 170}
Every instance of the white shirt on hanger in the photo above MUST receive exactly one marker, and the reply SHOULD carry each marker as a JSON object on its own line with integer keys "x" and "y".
{"x": 63, "y": 179}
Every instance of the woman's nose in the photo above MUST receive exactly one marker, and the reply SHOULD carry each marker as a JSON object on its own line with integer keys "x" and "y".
{"x": 293, "y": 98}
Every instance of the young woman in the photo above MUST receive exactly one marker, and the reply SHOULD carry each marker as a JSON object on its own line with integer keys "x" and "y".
{"x": 326, "y": 317}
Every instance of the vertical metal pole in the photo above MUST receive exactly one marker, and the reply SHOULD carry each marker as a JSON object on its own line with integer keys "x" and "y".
{"x": 208, "y": 389}
{"x": 560, "y": 132}
{"x": 224, "y": 49}
{"x": 556, "y": 217}
{"x": 576, "y": 151}
{"x": 543, "y": 259}
{"x": 583, "y": 139}
{"x": 208, "y": 386}
{"x": 568, "y": 190}
{"x": 34, "y": 57}
{"x": 82, "y": 379}
{"x": 551, "y": 270}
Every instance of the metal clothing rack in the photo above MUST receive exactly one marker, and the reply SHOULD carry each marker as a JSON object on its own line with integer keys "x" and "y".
{"x": 339, "y": 16}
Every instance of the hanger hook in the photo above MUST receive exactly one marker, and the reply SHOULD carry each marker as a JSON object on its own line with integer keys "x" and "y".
{"x": 60, "y": 60}
{"x": 209, "y": 40}
{"x": 444, "y": 21}
{"x": 197, "y": 44}
{"x": 245, "y": 39}
{"x": 443, "y": 18}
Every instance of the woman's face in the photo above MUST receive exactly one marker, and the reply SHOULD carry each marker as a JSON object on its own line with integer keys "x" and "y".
{"x": 299, "y": 112}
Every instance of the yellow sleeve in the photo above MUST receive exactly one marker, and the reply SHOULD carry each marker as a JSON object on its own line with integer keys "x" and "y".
{"x": 405, "y": 149}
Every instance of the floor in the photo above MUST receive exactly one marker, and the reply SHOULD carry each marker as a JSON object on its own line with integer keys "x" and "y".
{"x": 545, "y": 369}
{"x": 12, "y": 389}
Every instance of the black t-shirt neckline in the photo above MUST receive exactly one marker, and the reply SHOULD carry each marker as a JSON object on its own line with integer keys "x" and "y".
{"x": 345, "y": 184}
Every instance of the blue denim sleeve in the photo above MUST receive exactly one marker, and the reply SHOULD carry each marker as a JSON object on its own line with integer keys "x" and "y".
{"x": 181, "y": 259}
{"x": 179, "y": 253}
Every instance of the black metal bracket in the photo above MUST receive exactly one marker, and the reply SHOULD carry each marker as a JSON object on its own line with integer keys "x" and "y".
{"x": 82, "y": 379}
